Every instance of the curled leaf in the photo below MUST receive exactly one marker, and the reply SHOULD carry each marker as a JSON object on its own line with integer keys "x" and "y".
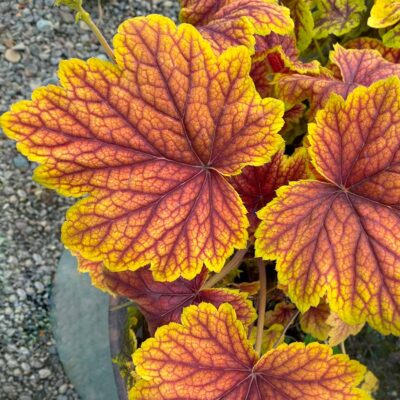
{"x": 281, "y": 314}
{"x": 357, "y": 68}
{"x": 148, "y": 142}
{"x": 272, "y": 336}
{"x": 367, "y": 43}
{"x": 257, "y": 185}
{"x": 235, "y": 22}
{"x": 339, "y": 331}
{"x": 314, "y": 321}
{"x": 341, "y": 236}
{"x": 385, "y": 14}
{"x": 163, "y": 302}
{"x": 208, "y": 357}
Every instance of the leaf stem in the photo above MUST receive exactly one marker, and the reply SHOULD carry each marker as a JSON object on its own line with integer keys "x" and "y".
{"x": 262, "y": 302}
{"x": 343, "y": 348}
{"x": 122, "y": 305}
{"x": 285, "y": 329}
{"x": 85, "y": 16}
{"x": 320, "y": 53}
{"x": 230, "y": 266}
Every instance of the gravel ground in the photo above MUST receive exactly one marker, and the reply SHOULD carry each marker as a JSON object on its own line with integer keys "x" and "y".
{"x": 34, "y": 37}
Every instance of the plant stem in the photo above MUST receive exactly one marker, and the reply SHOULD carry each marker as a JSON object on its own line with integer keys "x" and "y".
{"x": 230, "y": 266}
{"x": 122, "y": 305}
{"x": 262, "y": 302}
{"x": 85, "y": 16}
{"x": 285, "y": 329}
{"x": 343, "y": 348}
{"x": 320, "y": 53}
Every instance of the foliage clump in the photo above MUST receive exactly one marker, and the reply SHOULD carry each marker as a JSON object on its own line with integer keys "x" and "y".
{"x": 237, "y": 173}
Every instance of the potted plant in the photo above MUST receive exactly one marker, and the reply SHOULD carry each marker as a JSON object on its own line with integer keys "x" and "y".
{"x": 238, "y": 176}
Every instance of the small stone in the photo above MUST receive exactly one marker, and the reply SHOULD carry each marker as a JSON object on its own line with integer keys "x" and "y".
{"x": 25, "y": 397}
{"x": 20, "y": 224}
{"x": 36, "y": 364}
{"x": 21, "y": 194}
{"x": 21, "y": 294}
{"x": 44, "y": 25}
{"x": 63, "y": 388}
{"x": 8, "y": 389}
{"x": 37, "y": 258}
{"x": 61, "y": 397}
{"x": 26, "y": 368}
{"x": 13, "y": 56}
{"x": 19, "y": 47}
{"x": 39, "y": 287}
{"x": 44, "y": 373}
{"x": 21, "y": 162}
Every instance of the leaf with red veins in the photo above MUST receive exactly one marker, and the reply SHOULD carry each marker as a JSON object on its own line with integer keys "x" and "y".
{"x": 314, "y": 321}
{"x": 271, "y": 337}
{"x": 341, "y": 237}
{"x": 284, "y": 49}
{"x": 252, "y": 288}
{"x": 301, "y": 13}
{"x": 367, "y": 43}
{"x": 163, "y": 302}
{"x": 339, "y": 331}
{"x": 257, "y": 185}
{"x": 148, "y": 142}
{"x": 281, "y": 314}
{"x": 276, "y": 53}
{"x": 357, "y": 68}
{"x": 229, "y": 23}
{"x": 337, "y": 17}
{"x": 208, "y": 357}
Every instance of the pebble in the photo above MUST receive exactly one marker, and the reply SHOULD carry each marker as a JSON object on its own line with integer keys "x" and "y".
{"x": 21, "y": 162}
{"x": 44, "y": 373}
{"x": 63, "y": 388}
{"x": 44, "y": 25}
{"x": 21, "y": 294}
{"x": 13, "y": 56}
{"x": 39, "y": 287}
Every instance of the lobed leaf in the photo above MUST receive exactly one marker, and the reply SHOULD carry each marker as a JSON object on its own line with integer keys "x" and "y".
{"x": 314, "y": 321}
{"x": 301, "y": 14}
{"x": 272, "y": 337}
{"x": 341, "y": 236}
{"x": 235, "y": 22}
{"x": 337, "y": 17}
{"x": 208, "y": 357}
{"x": 339, "y": 331}
{"x": 147, "y": 142}
{"x": 257, "y": 185}
{"x": 163, "y": 302}
{"x": 357, "y": 68}
{"x": 384, "y": 14}
{"x": 277, "y": 53}
{"x": 367, "y": 43}
{"x": 281, "y": 314}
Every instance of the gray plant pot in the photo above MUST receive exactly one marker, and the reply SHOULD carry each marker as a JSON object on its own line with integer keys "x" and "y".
{"x": 87, "y": 333}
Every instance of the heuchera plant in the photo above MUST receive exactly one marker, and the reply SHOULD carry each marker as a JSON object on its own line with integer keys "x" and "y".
{"x": 192, "y": 154}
